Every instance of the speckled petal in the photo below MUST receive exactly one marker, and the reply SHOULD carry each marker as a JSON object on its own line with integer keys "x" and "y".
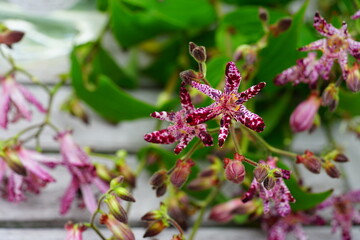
{"x": 343, "y": 62}
{"x": 166, "y": 116}
{"x": 184, "y": 141}
{"x": 224, "y": 129}
{"x": 354, "y": 48}
{"x": 249, "y": 119}
{"x": 162, "y": 136}
{"x": 211, "y": 92}
{"x": 356, "y": 15}
{"x": 4, "y": 109}
{"x": 288, "y": 75}
{"x": 185, "y": 98}
{"x": 250, "y": 93}
{"x": 201, "y": 115}
{"x": 251, "y": 192}
{"x": 317, "y": 45}
{"x": 324, "y": 66}
{"x": 232, "y": 78}
{"x": 324, "y": 28}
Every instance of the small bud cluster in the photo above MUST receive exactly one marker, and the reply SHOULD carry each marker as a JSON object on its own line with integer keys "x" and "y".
{"x": 158, "y": 220}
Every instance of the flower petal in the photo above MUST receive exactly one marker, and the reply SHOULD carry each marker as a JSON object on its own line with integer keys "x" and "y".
{"x": 166, "y": 116}
{"x": 323, "y": 27}
{"x": 14, "y": 185}
{"x": 356, "y": 15}
{"x": 249, "y": 119}
{"x": 4, "y": 109}
{"x": 88, "y": 196}
{"x": 28, "y": 95}
{"x": 206, "y": 89}
{"x": 288, "y": 75}
{"x": 185, "y": 99}
{"x": 343, "y": 62}
{"x": 184, "y": 141}
{"x": 232, "y": 78}
{"x": 224, "y": 129}
{"x": 20, "y": 102}
{"x": 201, "y": 115}
{"x": 324, "y": 66}
{"x": 317, "y": 45}
{"x": 204, "y": 136}
{"x": 69, "y": 196}
{"x": 250, "y": 92}
{"x": 162, "y": 136}
{"x": 354, "y": 48}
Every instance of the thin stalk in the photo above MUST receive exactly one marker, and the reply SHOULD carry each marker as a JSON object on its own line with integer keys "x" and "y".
{"x": 176, "y": 225}
{"x": 192, "y": 150}
{"x": 234, "y": 138}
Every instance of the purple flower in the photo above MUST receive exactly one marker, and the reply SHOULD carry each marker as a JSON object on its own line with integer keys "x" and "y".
{"x": 21, "y": 170}
{"x": 228, "y": 103}
{"x": 356, "y": 15}
{"x": 226, "y": 211}
{"x": 83, "y": 174}
{"x": 16, "y": 96}
{"x": 279, "y": 194}
{"x": 337, "y": 45}
{"x": 302, "y": 118}
{"x": 304, "y": 71}
{"x": 180, "y": 130}
{"x": 74, "y": 231}
{"x": 344, "y": 212}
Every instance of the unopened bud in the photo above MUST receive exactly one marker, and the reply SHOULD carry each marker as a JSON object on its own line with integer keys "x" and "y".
{"x": 234, "y": 170}
{"x": 14, "y": 162}
{"x": 116, "y": 209}
{"x": 331, "y": 170}
{"x": 192, "y": 46}
{"x": 263, "y": 14}
{"x": 152, "y": 216}
{"x": 281, "y": 26}
{"x": 124, "y": 194}
{"x": 103, "y": 172}
{"x": 261, "y": 172}
{"x": 330, "y": 96}
{"x": 197, "y": 52}
{"x": 189, "y": 75}
{"x": 74, "y": 106}
{"x": 353, "y": 79}
{"x": 269, "y": 182}
{"x": 155, "y": 228}
{"x": 158, "y": 178}
{"x": 181, "y": 172}
{"x": 115, "y": 182}
{"x": 277, "y": 173}
{"x": 119, "y": 229}
{"x": 9, "y": 37}
{"x": 285, "y": 174}
{"x": 178, "y": 237}
{"x": 341, "y": 158}
{"x": 310, "y": 161}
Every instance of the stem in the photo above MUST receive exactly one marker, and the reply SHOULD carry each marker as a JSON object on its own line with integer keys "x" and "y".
{"x": 255, "y": 164}
{"x": 234, "y": 138}
{"x": 177, "y": 226}
{"x": 93, "y": 216}
{"x": 192, "y": 150}
{"x": 207, "y": 201}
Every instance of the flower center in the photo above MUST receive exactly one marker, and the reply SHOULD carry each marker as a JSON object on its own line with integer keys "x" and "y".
{"x": 336, "y": 44}
{"x": 228, "y": 103}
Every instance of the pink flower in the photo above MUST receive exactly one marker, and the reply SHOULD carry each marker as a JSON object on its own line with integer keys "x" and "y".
{"x": 225, "y": 212}
{"x": 356, "y": 15}
{"x": 344, "y": 212}
{"x": 74, "y": 231}
{"x": 228, "y": 103}
{"x": 304, "y": 71}
{"x": 302, "y": 118}
{"x": 83, "y": 174}
{"x": 279, "y": 193}
{"x": 180, "y": 130}
{"x": 119, "y": 229}
{"x": 16, "y": 96}
{"x": 337, "y": 45}
{"x": 21, "y": 170}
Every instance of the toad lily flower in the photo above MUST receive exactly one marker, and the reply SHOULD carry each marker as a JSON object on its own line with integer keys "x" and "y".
{"x": 344, "y": 212}
{"x": 337, "y": 45}
{"x": 21, "y": 169}
{"x": 180, "y": 130}
{"x": 83, "y": 173}
{"x": 356, "y": 15}
{"x": 228, "y": 103}
{"x": 17, "y": 96}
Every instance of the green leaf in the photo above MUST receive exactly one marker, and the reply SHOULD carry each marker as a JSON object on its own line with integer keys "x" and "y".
{"x": 102, "y": 5}
{"x": 216, "y": 69}
{"x": 107, "y": 99}
{"x": 349, "y": 103}
{"x": 281, "y": 52}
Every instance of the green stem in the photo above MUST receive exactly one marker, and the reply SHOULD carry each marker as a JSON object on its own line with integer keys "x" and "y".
{"x": 234, "y": 138}
{"x": 177, "y": 226}
{"x": 207, "y": 201}
{"x": 192, "y": 150}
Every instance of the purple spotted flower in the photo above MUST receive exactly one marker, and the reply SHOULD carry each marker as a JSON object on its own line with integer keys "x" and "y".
{"x": 337, "y": 45}
{"x": 21, "y": 170}
{"x": 180, "y": 130}
{"x": 304, "y": 71}
{"x": 83, "y": 174}
{"x": 14, "y": 95}
{"x": 356, "y": 15}
{"x": 279, "y": 194}
{"x": 344, "y": 212}
{"x": 229, "y": 103}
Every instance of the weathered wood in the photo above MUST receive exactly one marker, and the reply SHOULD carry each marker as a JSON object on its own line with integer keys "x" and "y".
{"x": 203, "y": 234}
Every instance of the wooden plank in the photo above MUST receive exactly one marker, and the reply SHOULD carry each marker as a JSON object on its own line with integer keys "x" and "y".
{"x": 203, "y": 234}
{"x": 99, "y": 134}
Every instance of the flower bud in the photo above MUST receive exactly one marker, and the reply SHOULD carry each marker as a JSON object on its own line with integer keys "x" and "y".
{"x": 152, "y": 216}
{"x": 119, "y": 229}
{"x": 116, "y": 209}
{"x": 310, "y": 161}
{"x": 234, "y": 170}
{"x": 192, "y": 46}
{"x": 331, "y": 170}
{"x": 269, "y": 182}
{"x": 263, "y": 14}
{"x": 181, "y": 172}
{"x": 303, "y": 116}
{"x": 115, "y": 182}
{"x": 103, "y": 172}
{"x": 330, "y": 96}
{"x": 124, "y": 169}
{"x": 124, "y": 194}
{"x": 261, "y": 172}
{"x": 197, "y": 52}
{"x": 159, "y": 182}
{"x": 341, "y": 158}
{"x": 155, "y": 228}
{"x": 353, "y": 79}
{"x": 281, "y": 26}
{"x": 14, "y": 162}
{"x": 9, "y": 37}
{"x": 189, "y": 75}
{"x": 74, "y": 231}
{"x": 74, "y": 106}
{"x": 178, "y": 237}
